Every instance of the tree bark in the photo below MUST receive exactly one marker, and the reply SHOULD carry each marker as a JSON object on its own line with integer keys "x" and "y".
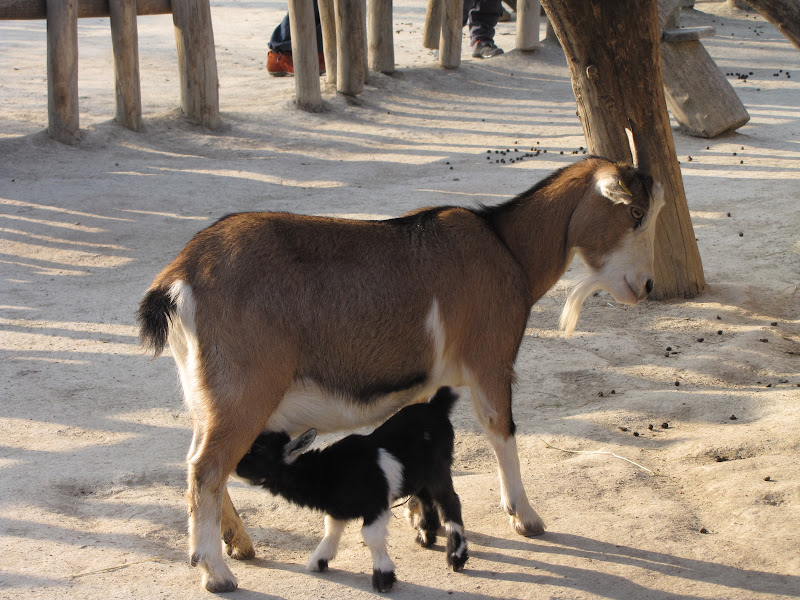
{"x": 618, "y": 79}
{"x": 783, "y": 14}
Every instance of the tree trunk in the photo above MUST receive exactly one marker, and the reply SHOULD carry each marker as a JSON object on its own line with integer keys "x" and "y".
{"x": 783, "y": 14}
{"x": 618, "y": 79}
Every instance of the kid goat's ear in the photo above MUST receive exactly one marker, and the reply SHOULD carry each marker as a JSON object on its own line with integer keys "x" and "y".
{"x": 294, "y": 448}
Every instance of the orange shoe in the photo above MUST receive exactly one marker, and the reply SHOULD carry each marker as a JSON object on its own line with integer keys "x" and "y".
{"x": 281, "y": 65}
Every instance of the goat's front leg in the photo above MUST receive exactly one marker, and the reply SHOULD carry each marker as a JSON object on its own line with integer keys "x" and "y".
{"x": 327, "y": 548}
{"x": 494, "y": 413}
{"x": 375, "y": 533}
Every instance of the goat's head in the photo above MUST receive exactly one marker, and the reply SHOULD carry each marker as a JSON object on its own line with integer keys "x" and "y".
{"x": 613, "y": 231}
{"x": 269, "y": 452}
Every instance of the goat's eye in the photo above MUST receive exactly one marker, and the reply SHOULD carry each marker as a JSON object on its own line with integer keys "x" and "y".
{"x": 637, "y": 213}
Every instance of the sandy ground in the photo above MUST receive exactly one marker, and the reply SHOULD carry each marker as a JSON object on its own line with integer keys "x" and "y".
{"x": 93, "y": 434}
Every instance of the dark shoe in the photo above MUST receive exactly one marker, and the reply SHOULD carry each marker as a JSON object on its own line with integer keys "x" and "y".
{"x": 281, "y": 65}
{"x": 484, "y": 49}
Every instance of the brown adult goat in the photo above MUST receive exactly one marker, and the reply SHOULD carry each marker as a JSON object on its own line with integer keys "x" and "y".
{"x": 287, "y": 322}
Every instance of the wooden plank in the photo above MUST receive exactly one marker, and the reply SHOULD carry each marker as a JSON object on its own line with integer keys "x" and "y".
{"x": 125, "y": 43}
{"x": 687, "y": 34}
{"x": 197, "y": 61}
{"x": 62, "y": 71}
{"x": 28, "y": 10}
{"x": 698, "y": 95}
{"x": 450, "y": 50}
{"x": 528, "y": 16}
{"x": 304, "y": 55}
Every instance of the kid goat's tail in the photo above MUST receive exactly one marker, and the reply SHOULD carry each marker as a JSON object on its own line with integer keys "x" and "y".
{"x": 444, "y": 399}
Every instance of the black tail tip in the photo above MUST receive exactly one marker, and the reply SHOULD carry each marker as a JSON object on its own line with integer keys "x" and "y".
{"x": 153, "y": 316}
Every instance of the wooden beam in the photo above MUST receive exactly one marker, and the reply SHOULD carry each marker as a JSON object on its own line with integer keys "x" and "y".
{"x": 62, "y": 71}
{"x": 433, "y": 25}
{"x": 327, "y": 19}
{"x": 380, "y": 34}
{"x": 29, "y": 10}
{"x": 125, "y": 42}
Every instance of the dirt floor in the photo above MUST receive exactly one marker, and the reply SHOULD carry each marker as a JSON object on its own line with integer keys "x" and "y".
{"x": 93, "y": 434}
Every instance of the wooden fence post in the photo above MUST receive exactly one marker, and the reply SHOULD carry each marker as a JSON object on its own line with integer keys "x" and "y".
{"x": 62, "y": 71}
{"x": 350, "y": 51}
{"x": 304, "y": 55}
{"x": 327, "y": 19}
{"x": 197, "y": 61}
{"x": 433, "y": 25}
{"x": 528, "y": 14}
{"x": 450, "y": 45}
{"x": 124, "y": 38}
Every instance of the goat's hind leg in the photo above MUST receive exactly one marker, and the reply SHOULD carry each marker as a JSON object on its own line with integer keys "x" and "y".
{"x": 448, "y": 502}
{"x": 327, "y": 548}
{"x": 375, "y": 533}
{"x": 423, "y": 516}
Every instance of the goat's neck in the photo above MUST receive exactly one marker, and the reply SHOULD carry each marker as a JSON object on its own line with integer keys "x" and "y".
{"x": 536, "y": 231}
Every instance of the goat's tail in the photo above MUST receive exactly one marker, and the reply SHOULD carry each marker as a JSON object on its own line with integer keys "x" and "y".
{"x": 154, "y": 316}
{"x": 444, "y": 399}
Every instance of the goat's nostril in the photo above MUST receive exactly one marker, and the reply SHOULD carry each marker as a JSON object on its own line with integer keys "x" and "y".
{"x": 649, "y": 286}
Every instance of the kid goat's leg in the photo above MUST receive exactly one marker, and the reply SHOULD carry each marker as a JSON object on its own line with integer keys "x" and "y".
{"x": 375, "y": 533}
{"x": 327, "y": 548}
{"x": 493, "y": 408}
{"x": 422, "y": 514}
{"x": 447, "y": 499}
{"x": 238, "y": 544}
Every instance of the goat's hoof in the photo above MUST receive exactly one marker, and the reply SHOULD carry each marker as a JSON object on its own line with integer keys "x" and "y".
{"x": 426, "y": 539}
{"x": 322, "y": 565}
{"x": 532, "y": 529}
{"x": 457, "y": 561}
{"x": 383, "y": 581}
{"x": 220, "y": 586}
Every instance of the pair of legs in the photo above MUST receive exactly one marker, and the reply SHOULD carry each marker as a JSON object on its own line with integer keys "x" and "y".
{"x": 481, "y": 16}
{"x": 422, "y": 512}
{"x": 374, "y": 533}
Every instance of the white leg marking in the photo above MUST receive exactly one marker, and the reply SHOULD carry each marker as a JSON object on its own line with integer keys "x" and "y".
{"x": 454, "y": 528}
{"x": 329, "y": 546}
{"x": 512, "y": 493}
{"x": 375, "y": 536}
{"x": 204, "y": 542}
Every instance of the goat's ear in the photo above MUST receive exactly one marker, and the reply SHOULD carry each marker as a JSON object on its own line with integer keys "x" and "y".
{"x": 613, "y": 188}
{"x": 295, "y": 447}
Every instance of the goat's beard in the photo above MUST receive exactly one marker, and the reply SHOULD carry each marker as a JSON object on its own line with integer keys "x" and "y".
{"x": 572, "y": 307}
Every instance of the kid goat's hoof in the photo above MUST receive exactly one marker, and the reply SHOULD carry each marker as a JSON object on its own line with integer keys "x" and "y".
{"x": 383, "y": 581}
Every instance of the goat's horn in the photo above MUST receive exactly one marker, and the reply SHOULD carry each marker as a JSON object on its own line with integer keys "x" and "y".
{"x": 638, "y": 152}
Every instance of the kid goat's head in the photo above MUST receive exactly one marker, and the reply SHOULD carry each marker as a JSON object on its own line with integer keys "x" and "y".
{"x": 613, "y": 232}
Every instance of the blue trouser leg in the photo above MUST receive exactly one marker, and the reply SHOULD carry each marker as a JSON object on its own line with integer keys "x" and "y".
{"x": 482, "y": 16}
{"x": 281, "y": 40}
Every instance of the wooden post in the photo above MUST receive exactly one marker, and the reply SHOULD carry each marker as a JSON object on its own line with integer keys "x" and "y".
{"x": 350, "y": 51}
{"x": 197, "y": 61}
{"x": 622, "y": 79}
{"x": 125, "y": 41}
{"x": 26, "y": 10}
{"x": 327, "y": 19}
{"x": 528, "y": 15}
{"x": 433, "y": 25}
{"x": 62, "y": 71}
{"x": 304, "y": 55}
{"x": 450, "y": 47}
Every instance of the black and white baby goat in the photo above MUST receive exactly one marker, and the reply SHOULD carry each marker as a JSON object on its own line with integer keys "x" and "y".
{"x": 361, "y": 475}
